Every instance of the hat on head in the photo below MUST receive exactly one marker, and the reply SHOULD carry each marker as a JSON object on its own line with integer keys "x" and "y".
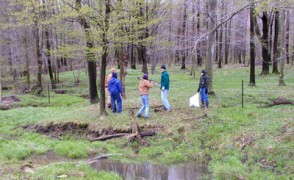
{"x": 163, "y": 67}
{"x": 203, "y": 71}
{"x": 145, "y": 76}
{"x": 114, "y": 75}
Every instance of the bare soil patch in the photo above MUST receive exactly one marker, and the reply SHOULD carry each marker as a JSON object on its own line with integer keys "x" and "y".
{"x": 7, "y": 102}
{"x": 56, "y": 130}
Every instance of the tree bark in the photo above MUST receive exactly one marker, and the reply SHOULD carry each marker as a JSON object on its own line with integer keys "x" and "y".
{"x": 282, "y": 50}
{"x": 104, "y": 59}
{"x": 287, "y": 34}
{"x": 265, "y": 44}
{"x": 184, "y": 51}
{"x": 48, "y": 54}
{"x": 39, "y": 57}
{"x": 27, "y": 69}
{"x": 143, "y": 35}
{"x": 252, "y": 48}
{"x": 276, "y": 41}
{"x": 211, "y": 11}
{"x": 90, "y": 56}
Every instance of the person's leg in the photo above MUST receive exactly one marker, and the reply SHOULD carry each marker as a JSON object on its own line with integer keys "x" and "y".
{"x": 108, "y": 101}
{"x": 164, "y": 95}
{"x": 142, "y": 107}
{"x": 119, "y": 103}
{"x": 202, "y": 97}
{"x": 206, "y": 100}
{"x": 146, "y": 97}
{"x": 113, "y": 105}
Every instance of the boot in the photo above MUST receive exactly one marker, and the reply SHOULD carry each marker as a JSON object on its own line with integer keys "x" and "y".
{"x": 207, "y": 104}
{"x": 202, "y": 105}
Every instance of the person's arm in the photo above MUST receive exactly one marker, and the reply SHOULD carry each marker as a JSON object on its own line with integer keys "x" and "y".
{"x": 148, "y": 84}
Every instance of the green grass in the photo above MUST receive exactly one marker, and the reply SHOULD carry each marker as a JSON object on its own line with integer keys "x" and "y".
{"x": 215, "y": 139}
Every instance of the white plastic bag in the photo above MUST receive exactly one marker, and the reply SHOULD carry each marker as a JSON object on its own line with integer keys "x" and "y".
{"x": 194, "y": 100}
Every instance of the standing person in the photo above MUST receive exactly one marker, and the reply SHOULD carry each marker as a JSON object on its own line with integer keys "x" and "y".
{"x": 164, "y": 87}
{"x": 107, "y": 79}
{"x": 115, "y": 89}
{"x": 203, "y": 88}
{"x": 144, "y": 87}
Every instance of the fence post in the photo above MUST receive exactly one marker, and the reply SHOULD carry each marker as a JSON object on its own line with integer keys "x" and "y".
{"x": 242, "y": 94}
{"x": 48, "y": 92}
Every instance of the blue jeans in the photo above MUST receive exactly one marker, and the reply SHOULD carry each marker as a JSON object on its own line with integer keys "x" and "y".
{"x": 145, "y": 106}
{"x": 116, "y": 98}
{"x": 164, "y": 95}
{"x": 203, "y": 96}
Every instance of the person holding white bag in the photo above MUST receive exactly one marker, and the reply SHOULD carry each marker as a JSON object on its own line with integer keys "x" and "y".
{"x": 203, "y": 89}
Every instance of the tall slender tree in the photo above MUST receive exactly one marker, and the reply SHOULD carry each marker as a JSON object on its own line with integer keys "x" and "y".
{"x": 91, "y": 62}
{"x": 252, "y": 47}
{"x": 282, "y": 50}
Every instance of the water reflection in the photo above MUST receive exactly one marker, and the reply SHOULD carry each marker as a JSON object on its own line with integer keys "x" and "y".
{"x": 150, "y": 171}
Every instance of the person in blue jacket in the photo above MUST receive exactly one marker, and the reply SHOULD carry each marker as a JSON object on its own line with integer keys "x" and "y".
{"x": 203, "y": 89}
{"x": 115, "y": 89}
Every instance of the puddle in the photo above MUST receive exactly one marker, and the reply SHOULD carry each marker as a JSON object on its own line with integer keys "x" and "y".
{"x": 150, "y": 171}
{"x": 47, "y": 158}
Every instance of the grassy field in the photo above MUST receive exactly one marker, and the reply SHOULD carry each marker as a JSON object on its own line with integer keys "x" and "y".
{"x": 235, "y": 143}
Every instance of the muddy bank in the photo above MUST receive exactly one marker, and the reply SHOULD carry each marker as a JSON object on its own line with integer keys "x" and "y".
{"x": 56, "y": 130}
{"x": 7, "y": 102}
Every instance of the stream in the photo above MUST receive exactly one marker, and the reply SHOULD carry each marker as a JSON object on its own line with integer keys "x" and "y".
{"x": 151, "y": 171}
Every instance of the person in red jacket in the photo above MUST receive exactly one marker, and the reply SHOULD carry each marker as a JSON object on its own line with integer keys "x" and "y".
{"x": 144, "y": 87}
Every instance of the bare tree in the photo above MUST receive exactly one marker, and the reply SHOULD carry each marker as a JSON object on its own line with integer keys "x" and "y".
{"x": 282, "y": 50}
{"x": 252, "y": 47}
{"x": 211, "y": 17}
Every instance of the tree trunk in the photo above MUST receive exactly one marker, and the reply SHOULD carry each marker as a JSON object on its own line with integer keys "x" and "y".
{"x": 287, "y": 34}
{"x": 193, "y": 58}
{"x": 39, "y": 58}
{"x": 282, "y": 50}
{"x": 184, "y": 51}
{"x": 104, "y": 60}
{"x": 227, "y": 42}
{"x": 276, "y": 40}
{"x": 0, "y": 83}
{"x": 143, "y": 35}
{"x": 90, "y": 56}
{"x": 252, "y": 48}
{"x": 133, "y": 59}
{"x": 220, "y": 49}
{"x": 27, "y": 69}
{"x": 265, "y": 44}
{"x": 211, "y": 12}
{"x": 48, "y": 54}
{"x": 198, "y": 52}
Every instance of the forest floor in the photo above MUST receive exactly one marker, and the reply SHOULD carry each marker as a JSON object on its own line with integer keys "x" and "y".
{"x": 254, "y": 142}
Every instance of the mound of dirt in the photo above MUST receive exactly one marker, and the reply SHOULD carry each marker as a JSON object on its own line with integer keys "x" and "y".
{"x": 9, "y": 100}
{"x": 57, "y": 130}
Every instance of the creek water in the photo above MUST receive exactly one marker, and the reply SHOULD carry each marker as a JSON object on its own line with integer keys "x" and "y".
{"x": 151, "y": 171}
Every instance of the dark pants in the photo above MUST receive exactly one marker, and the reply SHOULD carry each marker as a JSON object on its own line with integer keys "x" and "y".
{"x": 115, "y": 98}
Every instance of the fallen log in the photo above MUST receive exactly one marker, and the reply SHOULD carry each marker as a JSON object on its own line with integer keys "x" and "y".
{"x": 146, "y": 133}
{"x": 107, "y": 137}
{"x": 279, "y": 101}
{"x": 111, "y": 136}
